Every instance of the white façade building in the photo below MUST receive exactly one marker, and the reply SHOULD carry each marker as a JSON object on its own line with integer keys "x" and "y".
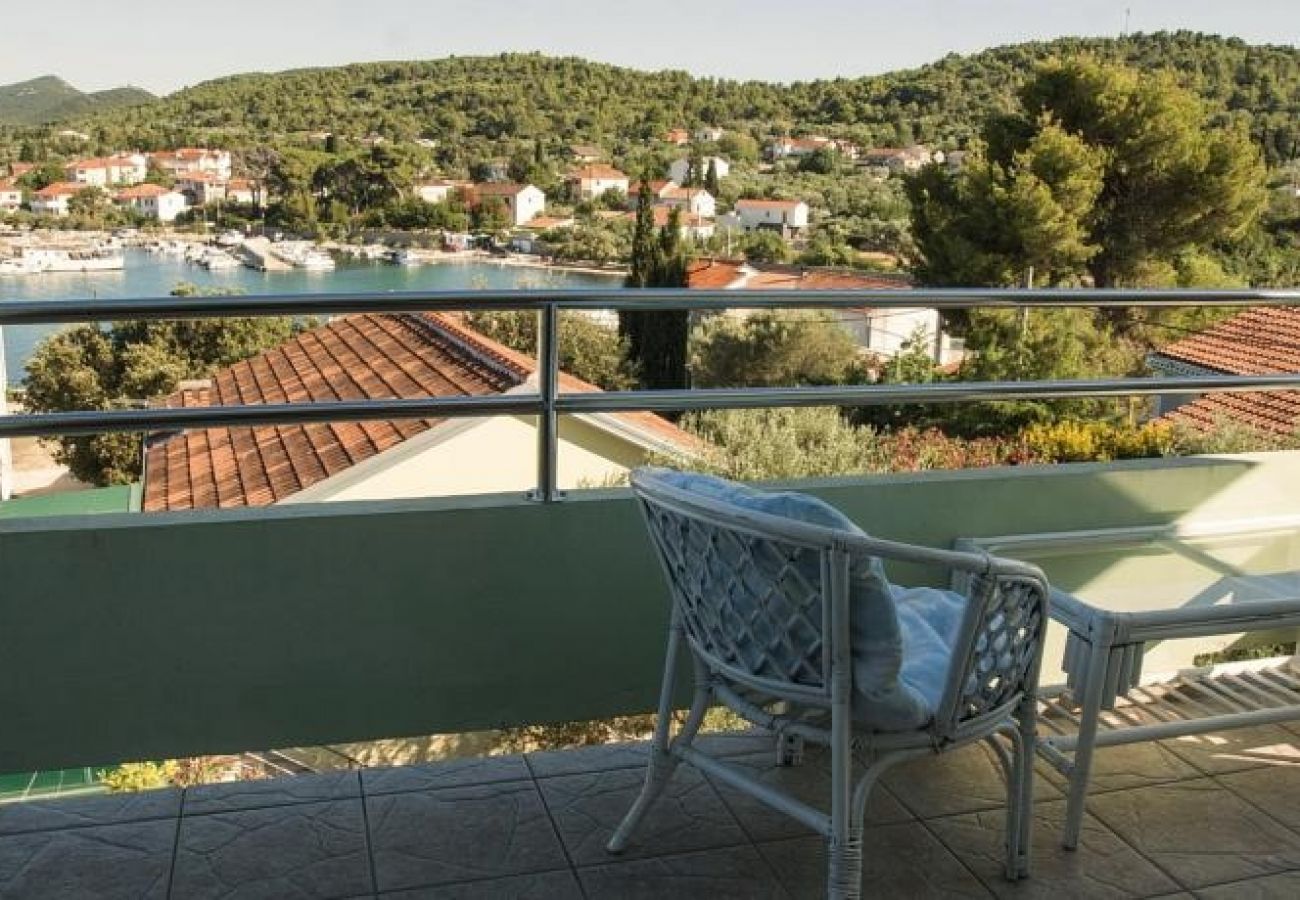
{"x": 522, "y": 201}
{"x": 153, "y": 201}
{"x": 680, "y": 169}
{"x": 789, "y": 217}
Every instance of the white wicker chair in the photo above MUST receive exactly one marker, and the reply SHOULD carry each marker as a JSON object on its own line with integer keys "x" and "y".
{"x": 990, "y": 689}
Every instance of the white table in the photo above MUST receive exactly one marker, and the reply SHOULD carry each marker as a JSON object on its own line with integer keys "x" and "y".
{"x": 1128, "y": 594}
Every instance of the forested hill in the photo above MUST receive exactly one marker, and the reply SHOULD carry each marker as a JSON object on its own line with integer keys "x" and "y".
{"x": 51, "y": 99}
{"x": 529, "y": 96}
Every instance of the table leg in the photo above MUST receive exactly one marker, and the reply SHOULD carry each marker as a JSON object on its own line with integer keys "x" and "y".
{"x": 1094, "y": 684}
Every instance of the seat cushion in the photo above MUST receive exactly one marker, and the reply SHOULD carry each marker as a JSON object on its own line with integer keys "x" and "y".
{"x": 900, "y": 639}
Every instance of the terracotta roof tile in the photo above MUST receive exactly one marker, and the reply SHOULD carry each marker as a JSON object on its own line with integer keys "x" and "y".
{"x": 354, "y": 357}
{"x": 1260, "y": 341}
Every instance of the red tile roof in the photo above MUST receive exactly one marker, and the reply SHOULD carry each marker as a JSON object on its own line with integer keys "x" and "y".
{"x": 352, "y": 358}
{"x": 598, "y": 171}
{"x": 141, "y": 191}
{"x": 61, "y": 189}
{"x": 1261, "y": 341}
{"x": 715, "y": 274}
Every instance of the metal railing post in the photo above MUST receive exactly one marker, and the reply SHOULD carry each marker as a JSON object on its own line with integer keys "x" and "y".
{"x": 548, "y": 420}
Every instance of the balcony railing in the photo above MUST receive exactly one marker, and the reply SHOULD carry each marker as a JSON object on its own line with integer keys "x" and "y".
{"x": 548, "y": 403}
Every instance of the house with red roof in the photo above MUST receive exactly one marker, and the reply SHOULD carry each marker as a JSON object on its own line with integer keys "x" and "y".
{"x": 1260, "y": 341}
{"x": 153, "y": 201}
{"x": 11, "y": 195}
{"x": 52, "y": 200}
{"x": 789, "y": 218}
{"x": 522, "y": 202}
{"x": 108, "y": 170}
{"x": 593, "y": 180}
{"x": 406, "y": 356}
{"x": 879, "y": 332}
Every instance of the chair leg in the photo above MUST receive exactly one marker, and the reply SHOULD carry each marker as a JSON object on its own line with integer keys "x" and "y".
{"x": 1027, "y": 749}
{"x": 662, "y": 762}
{"x": 789, "y": 750}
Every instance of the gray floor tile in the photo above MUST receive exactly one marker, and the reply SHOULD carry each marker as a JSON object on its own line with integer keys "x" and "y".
{"x": 106, "y": 861}
{"x": 1238, "y": 749}
{"x": 809, "y": 782}
{"x": 688, "y": 815}
{"x": 549, "y": 763}
{"x": 300, "y": 850}
{"x": 446, "y": 774}
{"x": 101, "y": 809}
{"x": 729, "y": 872}
{"x": 428, "y": 838}
{"x": 1199, "y": 832}
{"x": 235, "y": 795}
{"x": 542, "y": 886}
{"x": 901, "y": 860}
{"x": 965, "y": 780}
{"x": 1129, "y": 766}
{"x": 1284, "y": 886}
{"x": 1103, "y": 866}
{"x": 1274, "y": 789}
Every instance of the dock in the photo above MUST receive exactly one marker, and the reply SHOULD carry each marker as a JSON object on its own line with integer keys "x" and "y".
{"x": 257, "y": 254}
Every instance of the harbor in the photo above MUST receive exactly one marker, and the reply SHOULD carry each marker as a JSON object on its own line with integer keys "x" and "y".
{"x": 154, "y": 274}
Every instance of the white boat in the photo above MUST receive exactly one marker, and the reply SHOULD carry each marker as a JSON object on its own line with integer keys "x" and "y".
{"x": 218, "y": 260}
{"x": 303, "y": 255}
{"x": 69, "y": 259}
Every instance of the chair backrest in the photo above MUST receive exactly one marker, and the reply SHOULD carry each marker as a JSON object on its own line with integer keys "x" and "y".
{"x": 748, "y": 588}
{"x": 753, "y": 595}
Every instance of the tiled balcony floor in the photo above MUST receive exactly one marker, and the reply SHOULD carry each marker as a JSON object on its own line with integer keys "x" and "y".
{"x": 1212, "y": 817}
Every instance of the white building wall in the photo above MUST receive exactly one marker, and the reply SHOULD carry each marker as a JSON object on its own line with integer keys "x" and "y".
{"x": 482, "y": 456}
{"x": 528, "y": 203}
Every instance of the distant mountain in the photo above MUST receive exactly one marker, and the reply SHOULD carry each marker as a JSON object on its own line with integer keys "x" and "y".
{"x": 481, "y": 106}
{"x": 51, "y": 99}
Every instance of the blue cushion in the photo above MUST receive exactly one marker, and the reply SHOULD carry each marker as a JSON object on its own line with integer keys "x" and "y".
{"x": 901, "y": 640}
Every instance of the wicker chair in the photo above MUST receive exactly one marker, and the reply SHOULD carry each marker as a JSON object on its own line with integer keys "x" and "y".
{"x": 762, "y": 602}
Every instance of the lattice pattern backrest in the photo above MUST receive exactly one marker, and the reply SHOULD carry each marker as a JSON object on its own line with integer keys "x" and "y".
{"x": 1009, "y": 623}
{"x": 750, "y": 602}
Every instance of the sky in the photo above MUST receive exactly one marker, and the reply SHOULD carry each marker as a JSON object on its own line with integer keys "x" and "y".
{"x": 162, "y": 45}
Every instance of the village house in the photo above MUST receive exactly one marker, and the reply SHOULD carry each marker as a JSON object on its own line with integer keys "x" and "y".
{"x": 787, "y": 217}
{"x": 19, "y": 169}
{"x": 52, "y": 200}
{"x": 696, "y": 201}
{"x": 201, "y": 188}
{"x": 657, "y": 191}
{"x": 193, "y": 159}
{"x": 678, "y": 136}
{"x": 384, "y": 356}
{"x": 439, "y": 190}
{"x": 522, "y": 201}
{"x": 11, "y": 195}
{"x": 708, "y": 133}
{"x": 242, "y": 190}
{"x": 680, "y": 169}
{"x": 109, "y": 170}
{"x": 883, "y": 333}
{"x": 153, "y": 201}
{"x": 593, "y": 180}
{"x": 1260, "y": 341}
{"x": 898, "y": 159}
{"x": 585, "y": 153}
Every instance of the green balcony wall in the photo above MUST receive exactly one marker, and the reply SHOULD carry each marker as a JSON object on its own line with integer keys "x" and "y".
{"x": 142, "y": 637}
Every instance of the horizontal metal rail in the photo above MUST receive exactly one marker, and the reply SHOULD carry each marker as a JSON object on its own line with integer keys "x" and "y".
{"x": 177, "y": 418}
{"x": 26, "y": 312}
{"x": 548, "y": 402}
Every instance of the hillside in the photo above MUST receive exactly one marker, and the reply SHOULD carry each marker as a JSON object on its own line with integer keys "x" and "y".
{"x": 51, "y": 99}
{"x": 469, "y": 100}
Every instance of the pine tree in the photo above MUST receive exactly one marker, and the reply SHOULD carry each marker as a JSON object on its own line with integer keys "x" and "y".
{"x": 656, "y": 341}
{"x": 711, "y": 178}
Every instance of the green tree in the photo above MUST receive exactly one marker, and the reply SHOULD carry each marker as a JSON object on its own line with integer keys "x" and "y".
{"x": 90, "y": 367}
{"x": 588, "y": 349}
{"x": 656, "y": 340}
{"x": 774, "y": 348}
{"x": 711, "y": 182}
{"x": 1105, "y": 172}
{"x": 90, "y": 202}
{"x": 766, "y": 246}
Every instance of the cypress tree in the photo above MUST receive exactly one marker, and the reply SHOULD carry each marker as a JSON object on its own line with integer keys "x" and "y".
{"x": 657, "y": 340}
{"x": 711, "y": 179}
